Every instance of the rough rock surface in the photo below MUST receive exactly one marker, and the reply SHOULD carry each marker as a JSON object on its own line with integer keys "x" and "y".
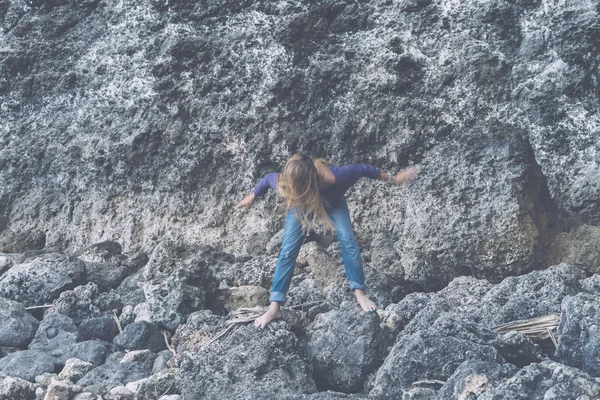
{"x": 74, "y": 369}
{"x": 57, "y": 390}
{"x": 546, "y": 380}
{"x": 106, "y": 266}
{"x": 103, "y": 328}
{"x": 201, "y": 326}
{"x": 85, "y": 301}
{"x": 473, "y": 378}
{"x": 580, "y": 246}
{"x": 246, "y": 296}
{"x": 12, "y": 388}
{"x": 445, "y": 329}
{"x": 92, "y": 351}
{"x": 506, "y": 220}
{"x": 486, "y": 97}
{"x": 139, "y": 336}
{"x": 431, "y": 354}
{"x": 578, "y": 333}
{"x": 257, "y": 271}
{"x": 143, "y": 122}
{"x": 27, "y": 364}
{"x": 318, "y": 262}
{"x": 176, "y": 282}
{"x": 270, "y": 362}
{"x": 18, "y": 327}
{"x": 42, "y": 279}
{"x": 165, "y": 382}
{"x": 111, "y": 374}
{"x": 55, "y": 330}
{"x": 344, "y": 346}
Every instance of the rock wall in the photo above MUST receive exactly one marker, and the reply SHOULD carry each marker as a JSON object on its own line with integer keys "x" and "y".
{"x": 135, "y": 120}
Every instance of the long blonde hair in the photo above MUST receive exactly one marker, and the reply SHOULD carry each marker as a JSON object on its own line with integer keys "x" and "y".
{"x": 299, "y": 185}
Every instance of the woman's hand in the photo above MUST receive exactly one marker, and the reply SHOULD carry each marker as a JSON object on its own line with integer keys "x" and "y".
{"x": 246, "y": 202}
{"x": 406, "y": 175}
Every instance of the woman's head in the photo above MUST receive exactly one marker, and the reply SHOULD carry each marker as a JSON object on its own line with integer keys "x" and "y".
{"x": 299, "y": 185}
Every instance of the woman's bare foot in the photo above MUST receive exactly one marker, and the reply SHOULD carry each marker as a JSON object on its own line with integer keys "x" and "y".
{"x": 272, "y": 313}
{"x": 367, "y": 305}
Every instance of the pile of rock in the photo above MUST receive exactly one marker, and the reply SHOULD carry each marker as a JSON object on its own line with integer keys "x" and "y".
{"x": 105, "y": 339}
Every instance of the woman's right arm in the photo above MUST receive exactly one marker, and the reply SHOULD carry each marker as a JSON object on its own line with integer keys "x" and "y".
{"x": 266, "y": 183}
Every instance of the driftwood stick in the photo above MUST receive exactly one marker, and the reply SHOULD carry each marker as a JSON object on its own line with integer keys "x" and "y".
{"x": 38, "y": 307}
{"x": 117, "y": 321}
{"x": 168, "y": 344}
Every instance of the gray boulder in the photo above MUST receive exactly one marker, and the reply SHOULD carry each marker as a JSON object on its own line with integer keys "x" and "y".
{"x": 86, "y": 301}
{"x": 580, "y": 246}
{"x": 199, "y": 329}
{"x": 546, "y": 380}
{"x": 92, "y": 351}
{"x": 139, "y": 336}
{"x": 164, "y": 382}
{"x": 535, "y": 294}
{"x": 346, "y": 345}
{"x": 433, "y": 353}
{"x": 18, "y": 326}
{"x": 176, "y": 282}
{"x": 114, "y": 374}
{"x": 564, "y": 145}
{"x": 318, "y": 262}
{"x": 257, "y": 243}
{"x": 130, "y": 290}
{"x": 398, "y": 315}
{"x": 386, "y": 259}
{"x": 55, "y": 330}
{"x": 257, "y": 271}
{"x": 5, "y": 263}
{"x": 42, "y": 279}
{"x": 106, "y": 266}
{"x": 304, "y": 290}
{"x": 12, "y": 388}
{"x": 103, "y": 328}
{"x": 269, "y": 362}
{"x": 443, "y": 329}
{"x": 74, "y": 370}
{"x": 578, "y": 335}
{"x": 465, "y": 219}
{"x": 246, "y": 296}
{"x": 473, "y": 378}
{"x": 27, "y": 364}
{"x": 161, "y": 361}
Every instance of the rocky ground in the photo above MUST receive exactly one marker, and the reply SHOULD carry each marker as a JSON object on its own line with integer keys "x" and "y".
{"x": 131, "y": 127}
{"x": 141, "y": 329}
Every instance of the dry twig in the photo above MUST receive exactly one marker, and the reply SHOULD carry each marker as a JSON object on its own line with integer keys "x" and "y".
{"x": 117, "y": 321}
{"x": 38, "y": 307}
{"x": 539, "y": 328}
{"x": 167, "y": 343}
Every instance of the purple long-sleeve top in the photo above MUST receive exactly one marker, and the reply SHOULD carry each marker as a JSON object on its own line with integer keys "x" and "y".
{"x": 345, "y": 177}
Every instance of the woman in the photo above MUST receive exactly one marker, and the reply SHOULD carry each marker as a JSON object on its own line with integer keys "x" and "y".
{"x": 313, "y": 189}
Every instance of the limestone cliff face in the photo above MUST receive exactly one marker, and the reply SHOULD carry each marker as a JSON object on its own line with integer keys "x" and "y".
{"x": 130, "y": 120}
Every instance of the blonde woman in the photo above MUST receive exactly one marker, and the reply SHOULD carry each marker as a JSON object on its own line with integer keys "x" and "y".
{"x": 313, "y": 189}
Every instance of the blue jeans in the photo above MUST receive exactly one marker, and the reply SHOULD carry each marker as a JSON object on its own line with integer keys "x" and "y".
{"x": 293, "y": 236}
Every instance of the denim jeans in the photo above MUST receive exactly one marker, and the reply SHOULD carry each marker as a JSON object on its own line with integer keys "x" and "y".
{"x": 293, "y": 236}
